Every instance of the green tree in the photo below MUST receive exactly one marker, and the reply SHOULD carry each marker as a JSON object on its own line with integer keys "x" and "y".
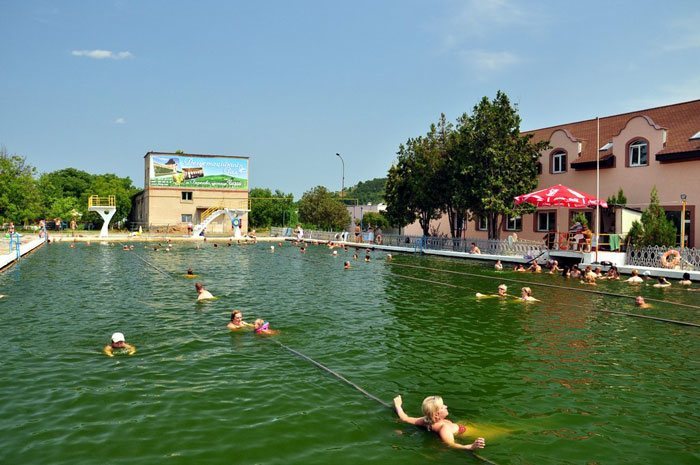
{"x": 318, "y": 207}
{"x": 20, "y": 200}
{"x": 499, "y": 162}
{"x": 375, "y": 219}
{"x": 371, "y": 191}
{"x": 410, "y": 189}
{"x": 68, "y": 183}
{"x": 104, "y": 185}
{"x": 658, "y": 230}
{"x": 267, "y": 209}
{"x": 618, "y": 200}
{"x": 580, "y": 218}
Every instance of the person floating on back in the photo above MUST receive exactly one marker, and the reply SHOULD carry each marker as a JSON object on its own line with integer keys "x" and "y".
{"x": 435, "y": 420}
{"x": 118, "y": 346}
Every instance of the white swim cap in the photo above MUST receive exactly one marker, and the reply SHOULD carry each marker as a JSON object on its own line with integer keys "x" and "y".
{"x": 118, "y": 337}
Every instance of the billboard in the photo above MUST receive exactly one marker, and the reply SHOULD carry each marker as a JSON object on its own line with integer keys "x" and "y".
{"x": 180, "y": 170}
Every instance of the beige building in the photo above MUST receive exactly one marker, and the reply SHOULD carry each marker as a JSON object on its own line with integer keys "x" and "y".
{"x": 182, "y": 189}
{"x": 637, "y": 151}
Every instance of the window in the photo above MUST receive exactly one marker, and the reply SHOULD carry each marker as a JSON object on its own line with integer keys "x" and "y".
{"x": 483, "y": 224}
{"x": 638, "y": 153}
{"x": 514, "y": 223}
{"x": 546, "y": 221}
{"x": 186, "y": 218}
{"x": 187, "y": 196}
{"x": 559, "y": 162}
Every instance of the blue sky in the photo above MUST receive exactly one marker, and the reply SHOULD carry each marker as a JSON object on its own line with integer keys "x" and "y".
{"x": 96, "y": 85}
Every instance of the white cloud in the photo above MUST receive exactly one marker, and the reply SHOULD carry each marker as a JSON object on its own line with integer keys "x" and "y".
{"x": 489, "y": 61}
{"x": 120, "y": 120}
{"x": 102, "y": 54}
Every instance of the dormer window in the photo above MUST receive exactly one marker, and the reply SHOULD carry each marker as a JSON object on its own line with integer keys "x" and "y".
{"x": 638, "y": 153}
{"x": 695, "y": 136}
{"x": 558, "y": 164}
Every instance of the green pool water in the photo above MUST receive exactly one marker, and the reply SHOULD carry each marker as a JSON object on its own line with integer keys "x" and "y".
{"x": 554, "y": 382}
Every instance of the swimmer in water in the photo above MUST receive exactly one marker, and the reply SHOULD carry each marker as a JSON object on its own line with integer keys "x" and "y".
{"x": 498, "y": 266}
{"x": 663, "y": 282}
{"x": 237, "y": 321}
{"x": 435, "y": 419}
{"x": 686, "y": 280}
{"x": 639, "y": 302}
{"x": 346, "y": 266}
{"x": 120, "y": 345}
{"x": 190, "y": 274}
{"x": 263, "y": 327}
{"x": 526, "y": 295}
{"x": 203, "y": 294}
{"x": 502, "y": 292}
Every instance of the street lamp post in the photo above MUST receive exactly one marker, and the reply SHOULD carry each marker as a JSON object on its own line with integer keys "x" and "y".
{"x": 683, "y": 199}
{"x": 342, "y": 185}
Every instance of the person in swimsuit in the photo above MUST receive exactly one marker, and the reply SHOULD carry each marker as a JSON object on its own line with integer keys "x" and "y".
{"x": 502, "y": 292}
{"x": 202, "y": 294}
{"x": 118, "y": 345}
{"x": 435, "y": 419}
{"x": 526, "y": 295}
{"x": 639, "y": 302}
{"x": 237, "y": 321}
{"x": 263, "y": 327}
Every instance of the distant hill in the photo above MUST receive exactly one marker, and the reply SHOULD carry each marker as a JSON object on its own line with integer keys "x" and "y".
{"x": 371, "y": 191}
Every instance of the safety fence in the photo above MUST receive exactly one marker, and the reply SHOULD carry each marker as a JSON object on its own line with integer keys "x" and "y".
{"x": 463, "y": 245}
{"x": 654, "y": 256}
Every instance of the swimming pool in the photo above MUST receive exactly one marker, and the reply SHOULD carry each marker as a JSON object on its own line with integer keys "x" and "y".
{"x": 547, "y": 383}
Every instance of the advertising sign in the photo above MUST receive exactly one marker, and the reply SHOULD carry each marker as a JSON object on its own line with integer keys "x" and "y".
{"x": 198, "y": 172}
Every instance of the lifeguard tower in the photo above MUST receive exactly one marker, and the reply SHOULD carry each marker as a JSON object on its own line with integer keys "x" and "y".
{"x": 106, "y": 207}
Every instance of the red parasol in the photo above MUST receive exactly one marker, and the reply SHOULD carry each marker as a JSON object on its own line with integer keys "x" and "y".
{"x": 560, "y": 196}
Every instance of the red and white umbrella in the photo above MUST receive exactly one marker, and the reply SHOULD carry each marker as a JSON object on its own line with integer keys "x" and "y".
{"x": 560, "y": 196}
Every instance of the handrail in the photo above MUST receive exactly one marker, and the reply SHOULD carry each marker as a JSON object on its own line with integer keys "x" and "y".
{"x": 97, "y": 201}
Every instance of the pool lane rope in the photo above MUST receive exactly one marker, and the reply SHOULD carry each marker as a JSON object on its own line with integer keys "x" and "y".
{"x": 590, "y": 291}
{"x": 355, "y": 386}
{"x": 634, "y": 315}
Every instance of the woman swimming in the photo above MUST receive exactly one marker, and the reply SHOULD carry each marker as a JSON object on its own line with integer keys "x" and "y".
{"x": 435, "y": 419}
{"x": 237, "y": 321}
{"x": 526, "y": 295}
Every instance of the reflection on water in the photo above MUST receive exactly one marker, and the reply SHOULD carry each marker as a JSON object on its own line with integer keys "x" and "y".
{"x": 547, "y": 383}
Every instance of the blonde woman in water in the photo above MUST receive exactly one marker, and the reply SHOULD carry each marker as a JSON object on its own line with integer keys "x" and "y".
{"x": 435, "y": 420}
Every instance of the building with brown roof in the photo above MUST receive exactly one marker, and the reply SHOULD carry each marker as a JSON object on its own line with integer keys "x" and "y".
{"x": 635, "y": 151}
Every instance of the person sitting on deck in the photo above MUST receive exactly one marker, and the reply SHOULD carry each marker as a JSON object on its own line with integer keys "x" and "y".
{"x": 635, "y": 278}
{"x": 475, "y": 249}
{"x": 202, "y": 294}
{"x": 435, "y": 420}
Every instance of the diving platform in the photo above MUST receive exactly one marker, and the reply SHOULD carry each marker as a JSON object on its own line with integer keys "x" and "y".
{"x": 106, "y": 207}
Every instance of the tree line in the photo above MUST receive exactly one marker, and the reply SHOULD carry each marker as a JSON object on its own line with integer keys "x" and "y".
{"x": 26, "y": 196}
